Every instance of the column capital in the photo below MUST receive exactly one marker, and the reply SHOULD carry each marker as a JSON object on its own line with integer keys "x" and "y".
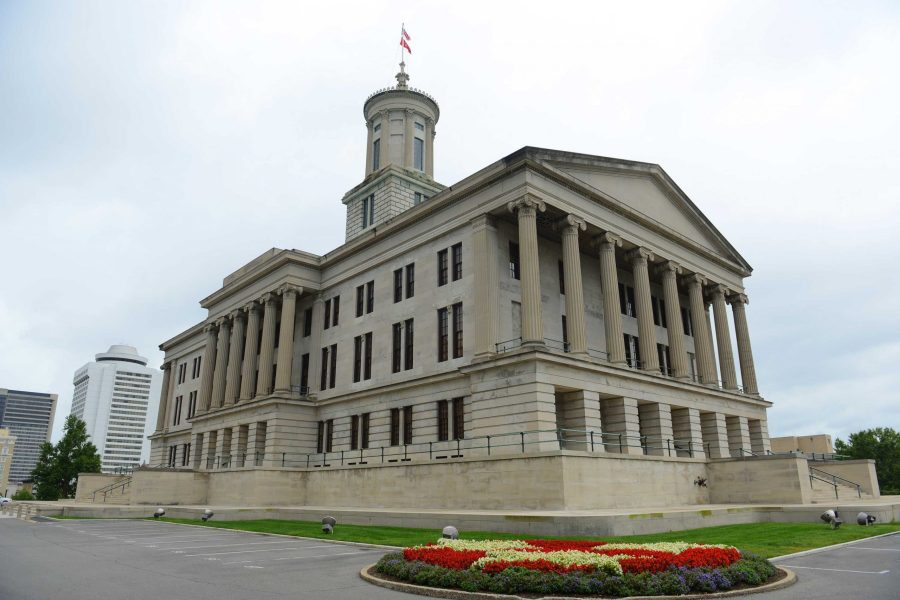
{"x": 714, "y": 289}
{"x": 221, "y": 321}
{"x": 408, "y": 111}
{"x": 236, "y": 314}
{"x": 289, "y": 289}
{"x": 266, "y": 298}
{"x": 429, "y": 121}
{"x": 667, "y": 267}
{"x": 572, "y": 223}
{"x": 607, "y": 238}
{"x": 694, "y": 279}
{"x": 250, "y": 306}
{"x": 211, "y": 327}
{"x": 383, "y": 114}
{"x": 167, "y": 364}
{"x": 640, "y": 255}
{"x": 737, "y": 298}
{"x": 528, "y": 202}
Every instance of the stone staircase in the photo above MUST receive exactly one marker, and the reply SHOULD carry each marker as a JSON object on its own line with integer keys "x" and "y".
{"x": 118, "y": 492}
{"x": 823, "y": 492}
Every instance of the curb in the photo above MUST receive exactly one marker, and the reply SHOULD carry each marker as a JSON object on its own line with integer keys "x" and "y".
{"x": 833, "y": 546}
{"x": 368, "y": 574}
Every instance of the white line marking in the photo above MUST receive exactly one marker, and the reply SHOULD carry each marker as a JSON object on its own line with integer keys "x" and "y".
{"x": 319, "y": 556}
{"x": 879, "y": 549}
{"x": 837, "y": 570}
{"x": 236, "y": 552}
{"x": 252, "y": 567}
{"x": 236, "y": 545}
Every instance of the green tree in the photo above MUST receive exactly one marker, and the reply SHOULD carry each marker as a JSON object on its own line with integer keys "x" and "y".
{"x": 58, "y": 466}
{"x": 22, "y": 495}
{"x": 881, "y": 444}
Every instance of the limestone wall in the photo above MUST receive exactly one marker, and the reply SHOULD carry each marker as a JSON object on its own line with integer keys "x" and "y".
{"x": 151, "y": 486}
{"x": 859, "y": 471}
{"x": 88, "y": 483}
{"x": 760, "y": 479}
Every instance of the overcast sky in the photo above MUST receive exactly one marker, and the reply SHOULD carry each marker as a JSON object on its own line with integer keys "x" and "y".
{"x": 148, "y": 149}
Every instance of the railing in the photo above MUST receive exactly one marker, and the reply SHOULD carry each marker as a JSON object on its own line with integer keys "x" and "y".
{"x": 826, "y": 456}
{"x": 821, "y": 475}
{"x": 489, "y": 445}
{"x": 106, "y": 490}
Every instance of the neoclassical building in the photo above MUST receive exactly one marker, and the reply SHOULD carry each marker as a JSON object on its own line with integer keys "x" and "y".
{"x": 550, "y": 305}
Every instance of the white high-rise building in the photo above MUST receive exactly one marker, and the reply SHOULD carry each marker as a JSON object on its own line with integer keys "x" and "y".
{"x": 115, "y": 396}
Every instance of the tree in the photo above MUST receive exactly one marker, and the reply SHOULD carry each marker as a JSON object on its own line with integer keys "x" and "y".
{"x": 58, "y": 466}
{"x": 22, "y": 495}
{"x": 882, "y": 444}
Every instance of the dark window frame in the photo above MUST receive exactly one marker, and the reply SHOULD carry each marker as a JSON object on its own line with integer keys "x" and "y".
{"x": 443, "y": 268}
{"x": 443, "y": 421}
{"x": 459, "y": 419}
{"x": 456, "y": 260}
{"x": 397, "y": 347}
{"x": 457, "y": 310}
{"x": 398, "y": 285}
{"x": 515, "y": 266}
{"x": 407, "y": 425}
{"x": 408, "y": 343}
{"x": 443, "y": 334}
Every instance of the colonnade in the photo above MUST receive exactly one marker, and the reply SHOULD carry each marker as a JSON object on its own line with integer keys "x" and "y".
{"x": 642, "y": 260}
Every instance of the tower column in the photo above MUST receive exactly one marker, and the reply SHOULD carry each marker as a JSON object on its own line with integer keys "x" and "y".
{"x": 408, "y": 138}
{"x": 742, "y": 332}
{"x": 487, "y": 284}
{"x": 267, "y": 346}
{"x": 286, "y": 339}
{"x": 723, "y": 338}
{"x": 209, "y": 363}
{"x": 674, "y": 328}
{"x": 235, "y": 354}
{"x": 315, "y": 340}
{"x": 646, "y": 328}
{"x": 251, "y": 349}
{"x": 370, "y": 140}
{"x": 574, "y": 289}
{"x": 705, "y": 363}
{"x": 429, "y": 147}
{"x": 218, "y": 390}
{"x": 164, "y": 397}
{"x": 609, "y": 284}
{"x": 532, "y": 319}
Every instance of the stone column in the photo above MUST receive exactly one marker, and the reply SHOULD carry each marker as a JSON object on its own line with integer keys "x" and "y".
{"x": 315, "y": 343}
{"x": 164, "y": 397}
{"x": 646, "y": 328}
{"x": 580, "y": 410}
{"x": 759, "y": 436}
{"x": 218, "y": 391}
{"x": 745, "y": 354}
{"x": 723, "y": 338}
{"x": 385, "y": 137}
{"x": 705, "y": 364}
{"x": 574, "y": 289}
{"x": 267, "y": 345}
{"x": 408, "y": 139}
{"x": 429, "y": 147}
{"x": 532, "y": 317}
{"x": 609, "y": 283}
{"x": 251, "y": 349}
{"x": 487, "y": 286}
{"x": 621, "y": 425}
{"x": 687, "y": 432}
{"x": 209, "y": 363}
{"x": 656, "y": 425}
{"x": 219, "y": 454}
{"x": 170, "y": 396}
{"x": 235, "y": 354}
{"x": 669, "y": 272}
{"x": 370, "y": 139}
{"x": 286, "y": 339}
{"x": 715, "y": 435}
{"x": 738, "y": 435}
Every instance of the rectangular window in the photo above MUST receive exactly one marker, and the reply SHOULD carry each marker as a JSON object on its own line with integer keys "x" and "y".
{"x": 173, "y": 450}
{"x": 626, "y": 300}
{"x": 418, "y": 154}
{"x": 562, "y": 277}
{"x": 397, "y": 341}
{"x": 417, "y": 199}
{"x": 443, "y": 268}
{"x": 329, "y": 435}
{"x": 459, "y": 424}
{"x": 176, "y": 412}
{"x": 360, "y": 300}
{"x": 320, "y": 438}
{"x": 304, "y": 374}
{"x": 410, "y": 280}
{"x": 307, "y": 322}
{"x": 364, "y": 431}
{"x": 443, "y": 421}
{"x": 192, "y": 404}
{"x": 333, "y": 358}
{"x": 408, "y": 345}
{"x": 354, "y": 432}
{"x": 368, "y": 211}
{"x": 398, "y": 285}
{"x": 457, "y": 330}
{"x": 686, "y": 322}
{"x": 632, "y": 351}
{"x": 370, "y": 297}
{"x": 514, "y": 270}
{"x": 662, "y": 353}
{"x": 419, "y": 127}
{"x": 442, "y": 334}
{"x": 186, "y": 454}
{"x": 327, "y": 322}
{"x": 357, "y": 358}
{"x": 395, "y": 427}
{"x": 659, "y": 311}
{"x": 565, "y": 331}
{"x": 376, "y": 155}
{"x": 367, "y": 358}
{"x": 456, "y": 252}
{"x": 335, "y": 310}
{"x": 324, "y": 381}
{"x": 407, "y": 424}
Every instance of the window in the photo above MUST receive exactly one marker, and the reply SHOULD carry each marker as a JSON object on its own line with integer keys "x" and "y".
{"x": 376, "y": 155}
{"x": 307, "y": 322}
{"x": 333, "y": 369}
{"x": 417, "y": 198}
{"x": 565, "y": 331}
{"x": 398, "y": 285}
{"x": 420, "y": 127}
{"x": 185, "y": 454}
{"x": 456, "y": 251}
{"x": 632, "y": 351}
{"x": 360, "y": 300}
{"x": 457, "y": 330}
{"x": 443, "y": 333}
{"x": 443, "y": 269}
{"x": 686, "y": 322}
{"x": 192, "y": 404}
{"x": 418, "y": 154}
{"x": 407, "y": 424}
{"x": 327, "y": 322}
{"x": 354, "y": 432}
{"x": 370, "y": 297}
{"x": 395, "y": 427}
{"x": 397, "y": 350}
{"x": 626, "y": 300}
{"x": 195, "y": 368}
{"x": 176, "y": 413}
{"x": 368, "y": 211}
{"x": 514, "y": 270}
{"x": 443, "y": 421}
{"x": 325, "y": 435}
{"x": 304, "y": 374}
{"x": 410, "y": 280}
{"x": 367, "y": 358}
{"x": 562, "y": 277}
{"x": 324, "y": 382}
{"x": 408, "y": 345}
{"x": 362, "y": 357}
{"x": 335, "y": 310}
{"x": 173, "y": 451}
{"x": 364, "y": 431}
{"x": 182, "y": 370}
{"x": 459, "y": 425}
{"x": 659, "y": 311}
{"x": 665, "y": 365}
{"x": 357, "y": 358}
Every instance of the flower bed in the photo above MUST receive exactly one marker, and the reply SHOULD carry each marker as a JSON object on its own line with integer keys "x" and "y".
{"x": 577, "y": 567}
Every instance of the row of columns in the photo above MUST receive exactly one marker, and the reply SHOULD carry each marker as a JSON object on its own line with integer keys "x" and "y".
{"x": 640, "y": 259}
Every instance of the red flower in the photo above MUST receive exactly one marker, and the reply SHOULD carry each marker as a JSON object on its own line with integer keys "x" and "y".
{"x": 534, "y": 565}
{"x": 443, "y": 556}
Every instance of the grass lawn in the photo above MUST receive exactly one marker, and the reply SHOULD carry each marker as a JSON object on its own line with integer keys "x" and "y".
{"x": 765, "y": 539}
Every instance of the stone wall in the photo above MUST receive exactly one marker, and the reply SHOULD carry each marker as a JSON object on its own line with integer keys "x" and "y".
{"x": 859, "y": 471}
{"x": 759, "y": 479}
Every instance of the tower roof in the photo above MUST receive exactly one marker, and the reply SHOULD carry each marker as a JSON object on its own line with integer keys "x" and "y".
{"x": 121, "y": 353}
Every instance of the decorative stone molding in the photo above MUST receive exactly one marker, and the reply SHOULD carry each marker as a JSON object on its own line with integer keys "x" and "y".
{"x": 640, "y": 255}
{"x": 571, "y": 221}
{"x": 529, "y": 203}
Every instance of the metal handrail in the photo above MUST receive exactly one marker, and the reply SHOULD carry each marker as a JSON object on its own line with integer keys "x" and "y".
{"x": 105, "y": 490}
{"x": 832, "y": 483}
{"x": 836, "y": 478}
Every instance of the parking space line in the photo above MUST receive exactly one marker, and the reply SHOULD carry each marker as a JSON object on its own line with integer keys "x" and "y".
{"x": 878, "y": 549}
{"x": 837, "y": 570}
{"x": 237, "y": 552}
{"x": 237, "y": 545}
{"x": 307, "y": 556}
{"x": 160, "y": 541}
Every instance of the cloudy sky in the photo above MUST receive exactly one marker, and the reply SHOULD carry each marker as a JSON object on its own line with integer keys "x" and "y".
{"x": 147, "y": 149}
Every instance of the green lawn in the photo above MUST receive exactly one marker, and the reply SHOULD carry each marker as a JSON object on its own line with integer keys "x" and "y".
{"x": 766, "y": 539}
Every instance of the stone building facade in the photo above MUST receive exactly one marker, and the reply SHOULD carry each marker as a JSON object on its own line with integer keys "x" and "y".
{"x": 551, "y": 302}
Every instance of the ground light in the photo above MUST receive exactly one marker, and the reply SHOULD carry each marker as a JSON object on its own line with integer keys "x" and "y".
{"x": 160, "y": 512}
{"x": 450, "y": 532}
{"x": 328, "y": 524}
{"x": 207, "y": 515}
{"x": 831, "y": 517}
{"x": 865, "y": 519}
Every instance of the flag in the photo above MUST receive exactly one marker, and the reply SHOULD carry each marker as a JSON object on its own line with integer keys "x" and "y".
{"x": 403, "y": 32}
{"x": 403, "y": 44}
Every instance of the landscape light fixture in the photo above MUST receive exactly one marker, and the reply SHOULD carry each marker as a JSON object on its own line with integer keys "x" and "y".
{"x": 207, "y": 515}
{"x": 159, "y": 512}
{"x": 865, "y": 519}
{"x": 450, "y": 533}
{"x": 831, "y": 517}
{"x": 328, "y": 524}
